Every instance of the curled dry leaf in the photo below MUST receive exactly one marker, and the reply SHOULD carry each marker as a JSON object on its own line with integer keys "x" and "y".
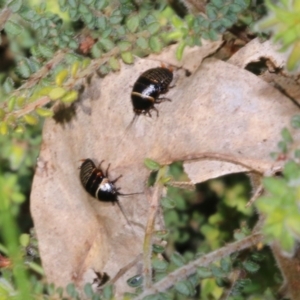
{"x": 221, "y": 114}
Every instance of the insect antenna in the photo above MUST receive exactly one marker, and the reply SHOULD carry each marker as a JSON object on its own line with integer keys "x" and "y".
{"x": 132, "y": 122}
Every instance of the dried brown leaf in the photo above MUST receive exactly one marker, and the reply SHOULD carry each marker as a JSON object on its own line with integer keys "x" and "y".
{"x": 222, "y": 119}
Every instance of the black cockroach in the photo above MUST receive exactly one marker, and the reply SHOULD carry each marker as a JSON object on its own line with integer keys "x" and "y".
{"x": 147, "y": 89}
{"x": 97, "y": 184}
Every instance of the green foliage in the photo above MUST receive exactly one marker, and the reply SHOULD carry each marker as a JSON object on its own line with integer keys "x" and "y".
{"x": 280, "y": 205}
{"x": 283, "y": 21}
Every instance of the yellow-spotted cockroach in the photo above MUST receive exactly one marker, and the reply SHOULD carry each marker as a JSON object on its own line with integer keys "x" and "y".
{"x": 147, "y": 89}
{"x": 97, "y": 184}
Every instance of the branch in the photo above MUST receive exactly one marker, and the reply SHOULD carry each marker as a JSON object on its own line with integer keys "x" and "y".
{"x": 204, "y": 261}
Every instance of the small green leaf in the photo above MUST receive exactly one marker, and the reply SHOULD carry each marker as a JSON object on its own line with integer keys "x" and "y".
{"x": 30, "y": 119}
{"x": 167, "y": 202}
{"x": 124, "y": 46}
{"x": 296, "y": 121}
{"x": 158, "y": 248}
{"x": 12, "y": 28}
{"x": 44, "y": 112}
{"x": 15, "y": 5}
{"x": 114, "y": 64}
{"x": 153, "y": 28}
{"x": 251, "y": 266}
{"x": 61, "y": 76}
{"x": 151, "y": 164}
{"x": 142, "y": 43}
{"x": 11, "y": 104}
{"x": 3, "y": 128}
{"x": 57, "y": 93}
{"x": 19, "y": 129}
{"x": 127, "y": 57}
{"x": 226, "y": 264}
{"x": 85, "y": 63}
{"x": 135, "y": 281}
{"x": 286, "y": 135}
{"x": 276, "y": 186}
{"x": 204, "y": 272}
{"x": 70, "y": 97}
{"x": 24, "y": 68}
{"x": 74, "y": 68}
{"x": 162, "y": 234}
{"x": 184, "y": 287}
{"x": 88, "y": 290}
{"x": 8, "y": 85}
{"x": 179, "y": 51}
{"x": 159, "y": 265}
{"x": 132, "y": 23}
{"x": 155, "y": 44}
{"x": 71, "y": 290}
{"x": 177, "y": 259}
{"x": 24, "y": 239}
{"x": 106, "y": 44}
{"x": 45, "y": 51}
{"x": 100, "y": 4}
{"x": 217, "y": 271}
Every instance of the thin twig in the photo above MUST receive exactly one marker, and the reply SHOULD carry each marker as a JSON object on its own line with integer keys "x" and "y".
{"x": 147, "y": 249}
{"x": 204, "y": 261}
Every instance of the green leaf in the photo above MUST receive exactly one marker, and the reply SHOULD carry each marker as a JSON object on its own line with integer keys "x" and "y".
{"x": 294, "y": 57}
{"x": 73, "y": 3}
{"x": 15, "y": 5}
{"x": 44, "y": 112}
{"x": 286, "y": 135}
{"x": 132, "y": 23}
{"x": 45, "y": 51}
{"x": 11, "y": 104}
{"x": 135, "y": 281}
{"x": 114, "y": 64}
{"x": 204, "y": 272}
{"x": 24, "y": 239}
{"x": 127, "y": 57}
{"x": 184, "y": 287}
{"x": 211, "y": 12}
{"x": 217, "y": 271}
{"x": 276, "y": 186}
{"x": 12, "y": 28}
{"x": 30, "y": 119}
{"x": 177, "y": 259}
{"x": 142, "y": 43}
{"x": 57, "y": 93}
{"x": 167, "y": 202}
{"x": 70, "y": 97}
{"x": 3, "y": 128}
{"x": 226, "y": 264}
{"x": 71, "y": 290}
{"x": 295, "y": 122}
{"x": 162, "y": 234}
{"x": 8, "y": 85}
{"x": 151, "y": 164}
{"x": 179, "y": 51}
{"x": 251, "y": 266}
{"x": 88, "y": 290}
{"x": 106, "y": 44}
{"x": 155, "y": 44}
{"x": 158, "y": 248}
{"x": 61, "y": 77}
{"x": 159, "y": 265}
{"x": 100, "y": 4}
{"x": 153, "y": 28}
